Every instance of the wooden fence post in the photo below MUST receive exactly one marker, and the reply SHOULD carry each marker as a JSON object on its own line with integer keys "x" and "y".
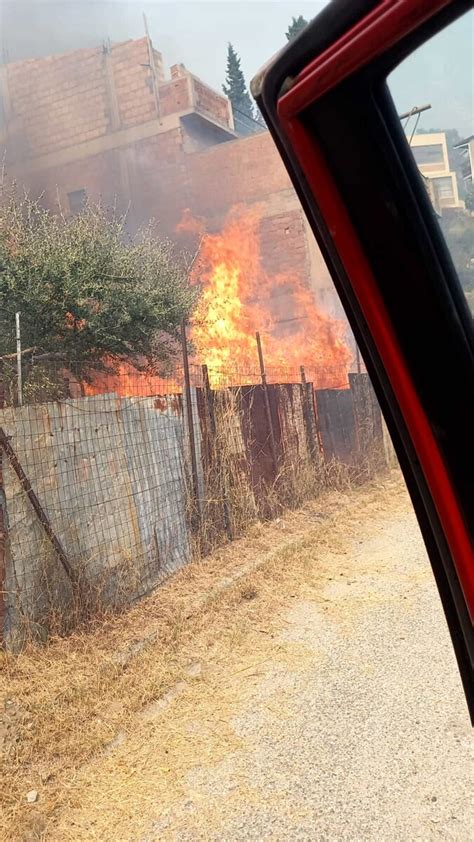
{"x": 310, "y": 423}
{"x": 3, "y": 522}
{"x": 210, "y": 407}
{"x": 268, "y": 413}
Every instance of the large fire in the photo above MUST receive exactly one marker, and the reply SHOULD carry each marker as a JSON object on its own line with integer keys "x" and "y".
{"x": 240, "y": 298}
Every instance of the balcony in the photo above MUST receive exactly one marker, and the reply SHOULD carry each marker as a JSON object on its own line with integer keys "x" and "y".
{"x": 186, "y": 95}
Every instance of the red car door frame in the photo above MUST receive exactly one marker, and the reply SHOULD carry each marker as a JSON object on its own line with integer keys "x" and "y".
{"x": 327, "y": 104}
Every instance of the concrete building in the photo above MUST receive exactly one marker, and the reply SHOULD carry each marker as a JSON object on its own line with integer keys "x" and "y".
{"x": 466, "y": 147}
{"x": 77, "y": 125}
{"x": 431, "y": 155}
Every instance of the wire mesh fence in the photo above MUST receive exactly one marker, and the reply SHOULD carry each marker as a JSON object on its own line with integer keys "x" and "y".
{"x": 112, "y": 478}
{"x": 58, "y": 380}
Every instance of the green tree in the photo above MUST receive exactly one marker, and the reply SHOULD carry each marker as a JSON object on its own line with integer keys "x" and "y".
{"x": 85, "y": 290}
{"x": 296, "y": 26}
{"x": 470, "y": 197}
{"x": 236, "y": 89}
{"x": 458, "y": 229}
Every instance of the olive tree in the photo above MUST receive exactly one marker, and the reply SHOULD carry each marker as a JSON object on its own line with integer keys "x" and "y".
{"x": 86, "y": 290}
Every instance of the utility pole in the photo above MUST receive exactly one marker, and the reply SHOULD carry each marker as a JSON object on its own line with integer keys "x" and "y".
{"x": 415, "y": 111}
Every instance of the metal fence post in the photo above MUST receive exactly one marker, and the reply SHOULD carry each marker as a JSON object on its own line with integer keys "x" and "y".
{"x": 40, "y": 512}
{"x": 189, "y": 413}
{"x": 18, "y": 360}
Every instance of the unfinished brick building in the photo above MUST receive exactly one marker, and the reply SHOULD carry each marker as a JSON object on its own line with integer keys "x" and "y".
{"x": 104, "y": 123}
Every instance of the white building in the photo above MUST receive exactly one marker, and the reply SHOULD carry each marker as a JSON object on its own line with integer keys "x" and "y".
{"x": 431, "y": 155}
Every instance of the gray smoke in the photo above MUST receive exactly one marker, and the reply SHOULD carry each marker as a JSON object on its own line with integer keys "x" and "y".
{"x": 35, "y": 28}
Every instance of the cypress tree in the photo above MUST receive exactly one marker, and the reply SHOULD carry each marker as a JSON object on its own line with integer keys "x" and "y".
{"x": 296, "y": 26}
{"x": 236, "y": 89}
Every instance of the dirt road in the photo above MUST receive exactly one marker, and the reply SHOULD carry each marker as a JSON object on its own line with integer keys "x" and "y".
{"x": 319, "y": 700}
{"x": 365, "y": 736}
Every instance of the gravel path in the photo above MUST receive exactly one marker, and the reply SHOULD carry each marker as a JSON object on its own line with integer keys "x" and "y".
{"x": 364, "y": 734}
{"x": 316, "y": 698}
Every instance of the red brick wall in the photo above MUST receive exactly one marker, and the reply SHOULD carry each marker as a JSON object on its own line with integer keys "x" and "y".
{"x": 239, "y": 171}
{"x": 249, "y": 172}
{"x": 58, "y": 101}
{"x": 159, "y": 184}
{"x": 132, "y": 82}
{"x": 174, "y": 96}
{"x": 99, "y": 176}
{"x": 63, "y": 100}
{"x": 166, "y": 180}
{"x": 210, "y": 183}
{"x": 283, "y": 243}
{"x": 161, "y": 178}
{"x": 210, "y": 102}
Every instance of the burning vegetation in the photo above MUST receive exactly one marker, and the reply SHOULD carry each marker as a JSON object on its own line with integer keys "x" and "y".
{"x": 104, "y": 315}
{"x": 239, "y": 297}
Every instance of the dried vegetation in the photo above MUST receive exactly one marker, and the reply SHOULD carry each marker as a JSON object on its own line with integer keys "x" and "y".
{"x": 75, "y": 699}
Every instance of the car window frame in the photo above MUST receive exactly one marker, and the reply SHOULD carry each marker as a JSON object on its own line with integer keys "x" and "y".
{"x": 373, "y": 42}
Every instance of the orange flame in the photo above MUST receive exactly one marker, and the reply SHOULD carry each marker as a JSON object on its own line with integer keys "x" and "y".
{"x": 240, "y": 298}
{"x": 190, "y": 224}
{"x": 74, "y": 324}
{"x": 127, "y": 382}
{"x": 122, "y": 379}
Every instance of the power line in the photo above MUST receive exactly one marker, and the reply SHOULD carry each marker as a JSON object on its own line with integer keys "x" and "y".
{"x": 262, "y": 126}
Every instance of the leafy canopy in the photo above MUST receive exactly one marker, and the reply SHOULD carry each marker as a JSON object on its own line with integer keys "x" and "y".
{"x": 85, "y": 290}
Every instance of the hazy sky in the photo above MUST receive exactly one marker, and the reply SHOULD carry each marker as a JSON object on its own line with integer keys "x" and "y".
{"x": 196, "y": 33}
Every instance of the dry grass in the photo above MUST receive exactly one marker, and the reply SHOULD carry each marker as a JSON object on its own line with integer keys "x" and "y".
{"x": 231, "y": 503}
{"x": 66, "y": 702}
{"x": 229, "y": 507}
{"x": 60, "y": 606}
